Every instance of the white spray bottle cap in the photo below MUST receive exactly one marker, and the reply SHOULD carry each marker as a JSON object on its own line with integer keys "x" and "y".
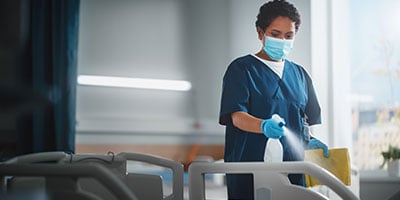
{"x": 278, "y": 120}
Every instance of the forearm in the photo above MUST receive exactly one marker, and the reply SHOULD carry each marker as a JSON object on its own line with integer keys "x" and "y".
{"x": 246, "y": 122}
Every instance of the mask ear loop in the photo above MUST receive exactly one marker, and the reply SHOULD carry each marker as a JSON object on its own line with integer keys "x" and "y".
{"x": 265, "y": 36}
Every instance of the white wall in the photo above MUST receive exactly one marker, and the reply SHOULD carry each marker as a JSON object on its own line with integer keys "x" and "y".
{"x": 132, "y": 39}
{"x": 331, "y": 69}
{"x": 342, "y": 121}
{"x": 173, "y": 39}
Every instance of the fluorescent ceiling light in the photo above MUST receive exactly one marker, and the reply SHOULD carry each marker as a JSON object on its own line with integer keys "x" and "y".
{"x": 143, "y": 83}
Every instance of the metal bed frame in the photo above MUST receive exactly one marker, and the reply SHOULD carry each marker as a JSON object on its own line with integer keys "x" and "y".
{"x": 270, "y": 179}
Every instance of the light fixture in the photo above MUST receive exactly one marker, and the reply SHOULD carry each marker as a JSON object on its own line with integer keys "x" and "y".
{"x": 142, "y": 83}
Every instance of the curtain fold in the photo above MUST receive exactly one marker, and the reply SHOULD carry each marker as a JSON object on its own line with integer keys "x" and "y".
{"x": 52, "y": 73}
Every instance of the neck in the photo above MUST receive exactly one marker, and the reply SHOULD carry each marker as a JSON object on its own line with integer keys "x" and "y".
{"x": 261, "y": 54}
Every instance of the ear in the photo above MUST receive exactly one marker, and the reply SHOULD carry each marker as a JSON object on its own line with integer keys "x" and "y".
{"x": 260, "y": 33}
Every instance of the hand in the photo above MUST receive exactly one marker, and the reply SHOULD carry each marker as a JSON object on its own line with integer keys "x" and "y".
{"x": 272, "y": 128}
{"x": 317, "y": 144}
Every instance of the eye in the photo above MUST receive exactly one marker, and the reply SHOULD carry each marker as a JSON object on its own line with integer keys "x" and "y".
{"x": 289, "y": 36}
{"x": 275, "y": 34}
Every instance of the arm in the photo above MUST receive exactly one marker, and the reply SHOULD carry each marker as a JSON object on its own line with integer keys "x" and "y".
{"x": 246, "y": 122}
{"x": 271, "y": 128}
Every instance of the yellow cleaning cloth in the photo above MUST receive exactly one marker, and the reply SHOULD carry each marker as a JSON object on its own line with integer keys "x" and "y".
{"x": 338, "y": 164}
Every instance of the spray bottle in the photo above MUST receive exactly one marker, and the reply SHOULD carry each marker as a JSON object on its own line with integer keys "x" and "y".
{"x": 273, "y": 148}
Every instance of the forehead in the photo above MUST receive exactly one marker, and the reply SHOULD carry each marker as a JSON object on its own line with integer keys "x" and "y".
{"x": 283, "y": 24}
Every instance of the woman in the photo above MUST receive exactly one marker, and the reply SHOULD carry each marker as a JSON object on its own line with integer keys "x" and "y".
{"x": 256, "y": 86}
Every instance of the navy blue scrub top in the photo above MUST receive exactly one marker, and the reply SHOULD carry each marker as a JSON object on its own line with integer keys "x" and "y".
{"x": 252, "y": 87}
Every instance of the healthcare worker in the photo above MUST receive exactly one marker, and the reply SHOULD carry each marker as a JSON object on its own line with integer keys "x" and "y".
{"x": 256, "y": 86}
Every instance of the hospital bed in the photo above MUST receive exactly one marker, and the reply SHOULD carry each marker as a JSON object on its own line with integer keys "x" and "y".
{"x": 61, "y": 181}
{"x": 141, "y": 186}
{"x": 270, "y": 180}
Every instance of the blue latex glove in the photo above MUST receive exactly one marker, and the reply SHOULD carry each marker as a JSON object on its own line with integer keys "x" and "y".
{"x": 272, "y": 128}
{"x": 317, "y": 144}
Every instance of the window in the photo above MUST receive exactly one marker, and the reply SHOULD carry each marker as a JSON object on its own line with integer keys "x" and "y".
{"x": 375, "y": 79}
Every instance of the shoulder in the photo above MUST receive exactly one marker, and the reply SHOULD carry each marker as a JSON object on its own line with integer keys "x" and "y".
{"x": 242, "y": 63}
{"x": 239, "y": 66}
{"x": 298, "y": 68}
{"x": 294, "y": 65}
{"x": 243, "y": 60}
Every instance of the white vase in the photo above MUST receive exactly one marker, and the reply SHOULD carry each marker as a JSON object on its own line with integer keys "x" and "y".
{"x": 394, "y": 167}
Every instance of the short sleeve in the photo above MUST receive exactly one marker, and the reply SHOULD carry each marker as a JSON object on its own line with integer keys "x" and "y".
{"x": 313, "y": 109}
{"x": 235, "y": 93}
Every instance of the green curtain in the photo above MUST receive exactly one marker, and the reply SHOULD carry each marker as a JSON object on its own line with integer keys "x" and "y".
{"x": 50, "y": 70}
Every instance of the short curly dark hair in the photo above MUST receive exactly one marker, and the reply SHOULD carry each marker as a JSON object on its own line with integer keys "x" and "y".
{"x": 276, "y": 8}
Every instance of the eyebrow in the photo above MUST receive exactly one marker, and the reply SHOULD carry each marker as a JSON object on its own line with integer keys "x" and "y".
{"x": 278, "y": 31}
{"x": 274, "y": 30}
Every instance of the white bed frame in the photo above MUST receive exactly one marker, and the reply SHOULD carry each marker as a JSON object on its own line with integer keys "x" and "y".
{"x": 270, "y": 179}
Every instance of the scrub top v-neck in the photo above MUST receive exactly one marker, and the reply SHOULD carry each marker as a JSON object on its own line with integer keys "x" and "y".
{"x": 276, "y": 67}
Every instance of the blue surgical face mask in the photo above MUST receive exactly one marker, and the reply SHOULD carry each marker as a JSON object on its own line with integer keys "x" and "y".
{"x": 277, "y": 49}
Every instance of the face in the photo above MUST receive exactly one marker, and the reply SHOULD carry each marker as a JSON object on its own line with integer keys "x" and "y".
{"x": 280, "y": 28}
